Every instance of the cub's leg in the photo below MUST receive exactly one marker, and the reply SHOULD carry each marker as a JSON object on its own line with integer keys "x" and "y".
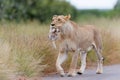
{"x": 61, "y": 58}
{"x": 83, "y": 62}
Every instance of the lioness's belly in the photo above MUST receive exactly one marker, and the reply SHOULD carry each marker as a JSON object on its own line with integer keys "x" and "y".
{"x": 85, "y": 45}
{"x": 73, "y": 46}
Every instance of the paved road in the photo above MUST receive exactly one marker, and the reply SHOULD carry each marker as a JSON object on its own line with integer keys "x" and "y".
{"x": 110, "y": 73}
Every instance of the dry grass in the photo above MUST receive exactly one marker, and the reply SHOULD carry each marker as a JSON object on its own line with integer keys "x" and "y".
{"x": 111, "y": 49}
{"x": 23, "y": 50}
{"x": 26, "y": 51}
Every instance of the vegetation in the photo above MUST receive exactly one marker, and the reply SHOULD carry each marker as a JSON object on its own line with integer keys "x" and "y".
{"x": 41, "y": 10}
{"x": 24, "y": 47}
{"x": 28, "y": 52}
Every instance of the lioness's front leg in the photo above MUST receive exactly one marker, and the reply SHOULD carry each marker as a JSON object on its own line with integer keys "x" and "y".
{"x": 61, "y": 58}
{"x": 72, "y": 70}
{"x": 83, "y": 62}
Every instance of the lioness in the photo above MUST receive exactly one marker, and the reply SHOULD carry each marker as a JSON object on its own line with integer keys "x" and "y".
{"x": 77, "y": 40}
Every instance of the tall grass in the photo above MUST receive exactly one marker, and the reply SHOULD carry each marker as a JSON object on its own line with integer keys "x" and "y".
{"x": 26, "y": 51}
{"x": 23, "y": 49}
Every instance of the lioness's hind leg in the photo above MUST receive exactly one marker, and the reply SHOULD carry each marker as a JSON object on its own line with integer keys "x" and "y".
{"x": 100, "y": 60}
{"x": 61, "y": 58}
{"x": 100, "y": 63}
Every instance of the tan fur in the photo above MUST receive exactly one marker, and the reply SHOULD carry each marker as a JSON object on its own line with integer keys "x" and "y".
{"x": 76, "y": 39}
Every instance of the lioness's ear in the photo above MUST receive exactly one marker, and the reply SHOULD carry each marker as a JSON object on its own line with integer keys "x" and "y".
{"x": 54, "y": 15}
{"x": 67, "y": 17}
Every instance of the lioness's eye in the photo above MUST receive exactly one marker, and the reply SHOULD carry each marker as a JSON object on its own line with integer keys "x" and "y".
{"x": 58, "y": 19}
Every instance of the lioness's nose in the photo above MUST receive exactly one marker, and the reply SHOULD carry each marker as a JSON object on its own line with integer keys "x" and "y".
{"x": 52, "y": 24}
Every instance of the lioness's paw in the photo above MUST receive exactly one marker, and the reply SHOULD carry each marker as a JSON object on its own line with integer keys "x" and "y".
{"x": 71, "y": 74}
{"x": 80, "y": 73}
{"x": 99, "y": 72}
{"x": 62, "y": 74}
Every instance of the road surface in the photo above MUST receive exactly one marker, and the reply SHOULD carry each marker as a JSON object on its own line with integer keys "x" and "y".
{"x": 110, "y": 73}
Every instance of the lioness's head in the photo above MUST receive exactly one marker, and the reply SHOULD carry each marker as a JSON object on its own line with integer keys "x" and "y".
{"x": 55, "y": 27}
{"x": 59, "y": 20}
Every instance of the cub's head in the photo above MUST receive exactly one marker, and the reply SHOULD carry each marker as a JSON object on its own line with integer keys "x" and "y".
{"x": 55, "y": 27}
